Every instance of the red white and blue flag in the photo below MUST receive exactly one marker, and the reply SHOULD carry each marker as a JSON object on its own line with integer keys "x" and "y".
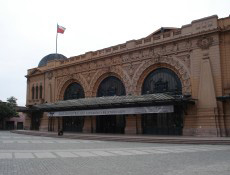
{"x": 60, "y": 29}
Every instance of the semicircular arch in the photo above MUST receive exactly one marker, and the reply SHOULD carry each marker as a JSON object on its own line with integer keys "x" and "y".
{"x": 102, "y": 74}
{"x": 69, "y": 80}
{"x": 176, "y": 66}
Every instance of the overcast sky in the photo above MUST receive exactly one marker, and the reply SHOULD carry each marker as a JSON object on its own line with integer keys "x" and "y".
{"x": 28, "y": 29}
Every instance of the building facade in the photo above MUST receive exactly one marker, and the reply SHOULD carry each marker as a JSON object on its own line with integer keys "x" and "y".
{"x": 176, "y": 81}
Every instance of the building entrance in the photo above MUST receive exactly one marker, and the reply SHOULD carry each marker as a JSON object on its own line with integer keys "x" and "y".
{"x": 35, "y": 120}
{"x": 73, "y": 124}
{"x": 163, "y": 124}
{"x": 110, "y": 124}
{"x": 110, "y": 86}
{"x": 163, "y": 80}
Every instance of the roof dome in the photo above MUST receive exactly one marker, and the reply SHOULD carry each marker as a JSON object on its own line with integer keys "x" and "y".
{"x": 51, "y": 57}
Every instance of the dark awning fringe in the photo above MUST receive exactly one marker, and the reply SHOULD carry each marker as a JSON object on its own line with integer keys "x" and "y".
{"x": 223, "y": 98}
{"x": 113, "y": 101}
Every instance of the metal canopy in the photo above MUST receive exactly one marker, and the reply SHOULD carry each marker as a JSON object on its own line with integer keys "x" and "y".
{"x": 223, "y": 98}
{"x": 114, "y": 111}
{"x": 114, "y": 102}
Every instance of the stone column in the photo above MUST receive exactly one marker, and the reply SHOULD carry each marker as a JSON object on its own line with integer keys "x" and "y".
{"x": 138, "y": 124}
{"x": 44, "y": 122}
{"x": 93, "y": 124}
{"x": 27, "y": 122}
{"x": 207, "y": 113}
{"x": 131, "y": 124}
{"x": 87, "y": 125}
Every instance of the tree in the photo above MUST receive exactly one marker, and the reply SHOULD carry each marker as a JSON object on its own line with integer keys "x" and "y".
{"x": 8, "y": 109}
{"x": 12, "y": 100}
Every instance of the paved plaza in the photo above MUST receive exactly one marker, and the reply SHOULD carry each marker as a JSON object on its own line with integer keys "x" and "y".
{"x": 28, "y": 155}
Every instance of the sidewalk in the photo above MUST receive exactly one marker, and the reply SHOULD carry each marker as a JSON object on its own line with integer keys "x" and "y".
{"x": 132, "y": 138}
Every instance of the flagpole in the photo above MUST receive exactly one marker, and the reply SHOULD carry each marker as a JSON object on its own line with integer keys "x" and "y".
{"x": 61, "y": 30}
{"x": 56, "y": 39}
{"x": 56, "y": 42}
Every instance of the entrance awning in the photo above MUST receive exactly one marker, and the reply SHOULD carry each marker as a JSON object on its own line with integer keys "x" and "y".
{"x": 223, "y": 98}
{"x": 114, "y": 111}
{"x": 114, "y": 102}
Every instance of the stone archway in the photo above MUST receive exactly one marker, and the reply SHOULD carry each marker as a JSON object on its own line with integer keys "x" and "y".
{"x": 163, "y": 62}
{"x": 69, "y": 80}
{"x": 102, "y": 74}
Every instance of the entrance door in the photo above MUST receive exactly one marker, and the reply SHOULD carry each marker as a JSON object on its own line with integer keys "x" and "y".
{"x": 163, "y": 80}
{"x": 10, "y": 125}
{"x": 110, "y": 124}
{"x": 35, "y": 120}
{"x": 73, "y": 124}
{"x": 20, "y": 125}
{"x": 163, "y": 124}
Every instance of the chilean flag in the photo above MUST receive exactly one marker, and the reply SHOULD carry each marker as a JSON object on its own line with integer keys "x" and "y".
{"x": 60, "y": 29}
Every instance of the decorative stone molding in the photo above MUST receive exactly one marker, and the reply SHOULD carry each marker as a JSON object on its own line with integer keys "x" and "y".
{"x": 204, "y": 42}
{"x": 101, "y": 74}
{"x": 185, "y": 58}
{"x": 130, "y": 69}
{"x": 64, "y": 82}
{"x": 158, "y": 61}
{"x": 49, "y": 75}
{"x": 88, "y": 76}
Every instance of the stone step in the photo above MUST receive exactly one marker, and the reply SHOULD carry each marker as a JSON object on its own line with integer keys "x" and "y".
{"x": 127, "y": 138}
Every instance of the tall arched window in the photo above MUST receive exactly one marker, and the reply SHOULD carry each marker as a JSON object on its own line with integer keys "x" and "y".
{"x": 111, "y": 86}
{"x": 37, "y": 92}
{"x": 33, "y": 92}
{"x": 74, "y": 91}
{"x": 162, "y": 80}
{"x": 40, "y": 91}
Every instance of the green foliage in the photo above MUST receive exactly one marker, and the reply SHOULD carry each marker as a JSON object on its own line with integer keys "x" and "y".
{"x": 12, "y": 100}
{"x": 8, "y": 109}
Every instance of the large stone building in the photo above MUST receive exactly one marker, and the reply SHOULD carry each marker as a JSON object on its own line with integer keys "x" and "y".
{"x": 176, "y": 81}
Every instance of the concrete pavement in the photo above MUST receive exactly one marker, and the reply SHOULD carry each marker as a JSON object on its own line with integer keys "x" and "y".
{"x": 28, "y": 155}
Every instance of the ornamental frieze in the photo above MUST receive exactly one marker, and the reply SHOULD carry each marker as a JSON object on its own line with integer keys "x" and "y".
{"x": 145, "y": 53}
{"x": 88, "y": 76}
{"x": 131, "y": 68}
{"x": 59, "y": 81}
{"x": 78, "y": 68}
{"x": 85, "y": 67}
{"x": 108, "y": 62}
{"x": 92, "y": 65}
{"x": 185, "y": 59}
{"x": 117, "y": 60}
{"x": 204, "y": 42}
{"x": 175, "y": 47}
{"x": 99, "y": 64}
{"x": 126, "y": 58}
{"x": 135, "y": 56}
{"x": 49, "y": 75}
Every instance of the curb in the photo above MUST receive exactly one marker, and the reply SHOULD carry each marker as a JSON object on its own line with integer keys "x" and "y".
{"x": 166, "y": 140}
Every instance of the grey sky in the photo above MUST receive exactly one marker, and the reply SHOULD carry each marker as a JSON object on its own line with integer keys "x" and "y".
{"x": 28, "y": 29}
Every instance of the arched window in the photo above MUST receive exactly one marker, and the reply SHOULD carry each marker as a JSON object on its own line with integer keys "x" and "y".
{"x": 40, "y": 91}
{"x": 74, "y": 91}
{"x": 162, "y": 80}
{"x": 111, "y": 86}
{"x": 33, "y": 92}
{"x": 37, "y": 92}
